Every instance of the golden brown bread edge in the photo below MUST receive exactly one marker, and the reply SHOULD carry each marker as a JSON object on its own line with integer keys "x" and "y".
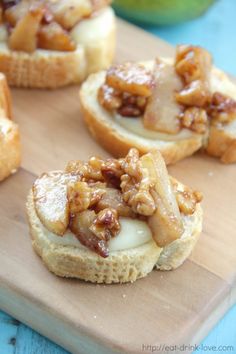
{"x": 121, "y": 266}
{"x": 10, "y": 149}
{"x": 220, "y": 142}
{"x": 54, "y": 69}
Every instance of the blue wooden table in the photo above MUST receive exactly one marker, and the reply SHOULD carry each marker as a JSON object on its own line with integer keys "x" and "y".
{"x": 216, "y": 31}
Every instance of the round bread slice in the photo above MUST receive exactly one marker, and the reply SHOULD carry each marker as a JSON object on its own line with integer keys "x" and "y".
{"x": 10, "y": 149}
{"x": 115, "y": 137}
{"x": 121, "y": 266}
{"x": 52, "y": 69}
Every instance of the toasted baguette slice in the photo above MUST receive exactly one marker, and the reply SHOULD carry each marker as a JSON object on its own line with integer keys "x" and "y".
{"x": 121, "y": 266}
{"x": 10, "y": 151}
{"x": 52, "y": 69}
{"x": 115, "y": 137}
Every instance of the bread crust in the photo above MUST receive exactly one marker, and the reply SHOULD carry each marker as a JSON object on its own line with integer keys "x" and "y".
{"x": 118, "y": 140}
{"x": 222, "y": 143}
{"x": 5, "y": 97}
{"x": 120, "y": 266}
{"x": 52, "y": 69}
{"x": 10, "y": 150}
{"x": 174, "y": 254}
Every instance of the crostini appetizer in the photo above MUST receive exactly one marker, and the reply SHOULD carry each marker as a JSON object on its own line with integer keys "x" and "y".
{"x": 177, "y": 105}
{"x": 113, "y": 221}
{"x": 53, "y": 43}
{"x": 10, "y": 150}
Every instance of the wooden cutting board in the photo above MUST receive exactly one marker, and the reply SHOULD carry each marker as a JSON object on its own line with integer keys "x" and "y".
{"x": 165, "y": 308}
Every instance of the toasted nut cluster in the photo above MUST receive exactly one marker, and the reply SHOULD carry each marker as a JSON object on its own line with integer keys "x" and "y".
{"x": 112, "y": 171}
{"x": 193, "y": 65}
{"x": 82, "y": 195}
{"x": 45, "y": 24}
{"x": 187, "y": 199}
{"x": 194, "y": 118}
{"x": 113, "y": 198}
{"x": 90, "y": 171}
{"x": 126, "y": 89}
{"x": 106, "y": 224}
{"x": 222, "y": 109}
{"x": 136, "y": 186}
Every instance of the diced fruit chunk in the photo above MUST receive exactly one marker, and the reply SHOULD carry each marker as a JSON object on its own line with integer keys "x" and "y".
{"x": 54, "y": 37}
{"x": 24, "y": 35}
{"x": 51, "y": 204}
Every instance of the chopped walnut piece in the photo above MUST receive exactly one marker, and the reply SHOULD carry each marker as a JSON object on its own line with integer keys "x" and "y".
{"x": 194, "y": 118}
{"x": 90, "y": 171}
{"x": 79, "y": 196}
{"x": 192, "y": 63}
{"x": 131, "y": 78}
{"x": 222, "y": 109}
{"x": 82, "y": 195}
{"x": 187, "y": 199}
{"x": 98, "y": 189}
{"x": 106, "y": 224}
{"x": 111, "y": 171}
{"x": 52, "y": 36}
{"x": 127, "y": 105}
{"x": 136, "y": 185}
{"x": 94, "y": 167}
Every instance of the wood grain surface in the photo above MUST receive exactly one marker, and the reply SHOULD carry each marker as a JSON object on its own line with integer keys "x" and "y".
{"x": 169, "y": 308}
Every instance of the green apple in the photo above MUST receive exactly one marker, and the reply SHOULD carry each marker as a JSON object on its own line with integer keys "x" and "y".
{"x": 161, "y": 12}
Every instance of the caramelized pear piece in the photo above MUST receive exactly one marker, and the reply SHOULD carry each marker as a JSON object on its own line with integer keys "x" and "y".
{"x": 130, "y": 77}
{"x": 162, "y": 110}
{"x": 51, "y": 204}
{"x": 24, "y": 35}
{"x": 165, "y": 223}
{"x": 54, "y": 37}
{"x": 80, "y": 225}
{"x": 69, "y": 12}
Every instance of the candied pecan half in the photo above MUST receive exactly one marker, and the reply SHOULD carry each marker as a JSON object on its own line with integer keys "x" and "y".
{"x": 106, "y": 224}
{"x": 194, "y": 118}
{"x": 136, "y": 185}
{"x": 222, "y": 109}
{"x": 130, "y": 77}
